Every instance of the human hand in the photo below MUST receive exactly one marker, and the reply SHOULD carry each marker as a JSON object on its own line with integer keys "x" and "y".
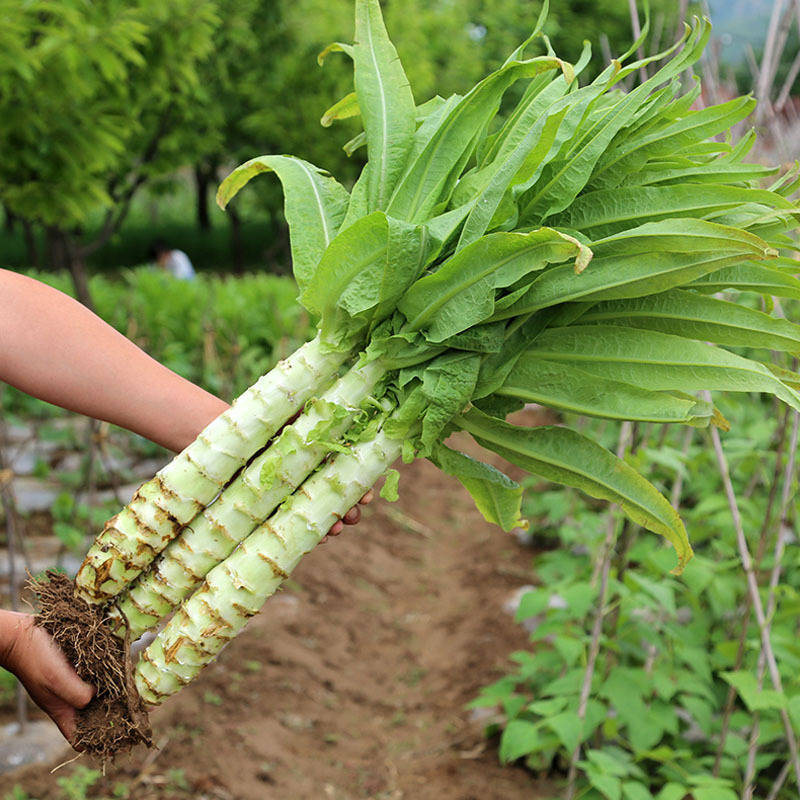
{"x": 352, "y": 517}
{"x": 31, "y": 654}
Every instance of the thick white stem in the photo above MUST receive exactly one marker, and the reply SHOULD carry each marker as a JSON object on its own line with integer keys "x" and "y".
{"x": 179, "y": 492}
{"x": 246, "y": 502}
{"x": 237, "y": 588}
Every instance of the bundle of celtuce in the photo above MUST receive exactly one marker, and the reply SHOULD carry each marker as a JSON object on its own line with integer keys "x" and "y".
{"x": 564, "y": 254}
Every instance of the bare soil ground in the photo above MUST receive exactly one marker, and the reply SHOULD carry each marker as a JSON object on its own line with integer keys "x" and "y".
{"x": 352, "y": 682}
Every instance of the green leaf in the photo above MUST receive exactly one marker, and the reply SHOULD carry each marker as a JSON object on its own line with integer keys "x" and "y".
{"x": 633, "y": 790}
{"x": 386, "y": 103}
{"x": 608, "y": 785}
{"x": 461, "y": 292}
{"x": 363, "y": 273}
{"x": 517, "y": 166}
{"x": 680, "y": 170}
{"x": 335, "y": 47}
{"x": 568, "y": 727}
{"x": 343, "y": 109}
{"x": 673, "y": 791}
{"x": 315, "y": 206}
{"x": 496, "y": 496}
{"x": 568, "y": 388}
{"x": 389, "y": 488}
{"x": 605, "y": 212}
{"x": 695, "y": 316}
{"x": 714, "y": 793}
{"x": 755, "y": 699}
{"x": 658, "y": 361}
{"x": 749, "y": 278}
{"x": 358, "y": 249}
{"x": 564, "y": 179}
{"x": 447, "y": 383}
{"x": 519, "y": 738}
{"x": 653, "y": 258}
{"x": 69, "y": 535}
{"x": 542, "y": 92}
{"x": 430, "y": 174}
{"x": 496, "y": 367}
{"x": 564, "y": 456}
{"x": 696, "y": 126}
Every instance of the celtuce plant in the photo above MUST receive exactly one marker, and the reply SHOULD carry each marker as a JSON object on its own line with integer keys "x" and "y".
{"x": 564, "y": 254}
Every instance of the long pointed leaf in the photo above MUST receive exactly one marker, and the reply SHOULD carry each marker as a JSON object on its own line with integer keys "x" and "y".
{"x": 750, "y": 277}
{"x": 699, "y": 317}
{"x": 608, "y": 211}
{"x": 315, "y": 206}
{"x": 568, "y": 388}
{"x": 657, "y": 361}
{"x": 386, "y": 103}
{"x": 461, "y": 292}
{"x": 673, "y": 171}
{"x": 564, "y": 456}
{"x": 496, "y": 496}
{"x": 695, "y": 127}
{"x": 421, "y": 186}
{"x": 652, "y": 258}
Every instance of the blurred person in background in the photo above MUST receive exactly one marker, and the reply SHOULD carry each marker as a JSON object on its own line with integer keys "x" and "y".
{"x": 175, "y": 262}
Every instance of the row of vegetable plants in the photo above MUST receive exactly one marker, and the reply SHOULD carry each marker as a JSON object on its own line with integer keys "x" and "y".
{"x": 679, "y": 704}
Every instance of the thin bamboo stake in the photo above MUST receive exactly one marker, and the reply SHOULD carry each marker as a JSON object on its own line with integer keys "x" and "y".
{"x": 677, "y": 487}
{"x": 604, "y": 563}
{"x": 779, "y": 781}
{"x": 637, "y": 32}
{"x": 658, "y": 32}
{"x": 747, "y": 611}
{"x": 764, "y": 78}
{"x": 683, "y": 10}
{"x": 788, "y": 476}
{"x": 780, "y": 45}
{"x": 786, "y": 89}
{"x": 752, "y": 585}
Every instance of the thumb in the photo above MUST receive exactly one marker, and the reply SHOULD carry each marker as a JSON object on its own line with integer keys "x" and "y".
{"x": 73, "y": 690}
{"x": 61, "y": 678}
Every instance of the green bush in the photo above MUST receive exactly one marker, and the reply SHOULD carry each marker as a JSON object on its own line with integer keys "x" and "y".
{"x": 669, "y": 647}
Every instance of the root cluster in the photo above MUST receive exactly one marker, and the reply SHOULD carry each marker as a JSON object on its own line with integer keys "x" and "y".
{"x": 116, "y": 719}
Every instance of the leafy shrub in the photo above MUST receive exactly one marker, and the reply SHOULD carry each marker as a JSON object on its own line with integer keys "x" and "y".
{"x": 669, "y": 648}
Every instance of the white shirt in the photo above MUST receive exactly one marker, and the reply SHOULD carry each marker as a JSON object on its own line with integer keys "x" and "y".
{"x": 178, "y": 265}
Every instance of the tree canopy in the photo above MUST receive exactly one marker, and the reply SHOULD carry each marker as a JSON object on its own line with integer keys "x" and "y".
{"x": 99, "y": 98}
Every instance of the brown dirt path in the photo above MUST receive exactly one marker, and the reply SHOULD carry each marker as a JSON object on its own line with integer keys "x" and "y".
{"x": 352, "y": 682}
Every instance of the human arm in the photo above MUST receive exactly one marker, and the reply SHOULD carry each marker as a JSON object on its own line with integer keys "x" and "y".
{"x": 54, "y": 348}
{"x": 28, "y": 651}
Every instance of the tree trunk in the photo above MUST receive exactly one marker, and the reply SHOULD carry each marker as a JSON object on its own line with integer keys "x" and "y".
{"x": 237, "y": 249}
{"x": 63, "y": 253}
{"x": 30, "y": 244}
{"x": 203, "y": 175}
{"x": 10, "y": 220}
{"x": 54, "y": 254}
{"x": 77, "y": 268}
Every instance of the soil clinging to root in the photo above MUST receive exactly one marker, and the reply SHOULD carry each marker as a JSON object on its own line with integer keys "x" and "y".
{"x": 116, "y": 719}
